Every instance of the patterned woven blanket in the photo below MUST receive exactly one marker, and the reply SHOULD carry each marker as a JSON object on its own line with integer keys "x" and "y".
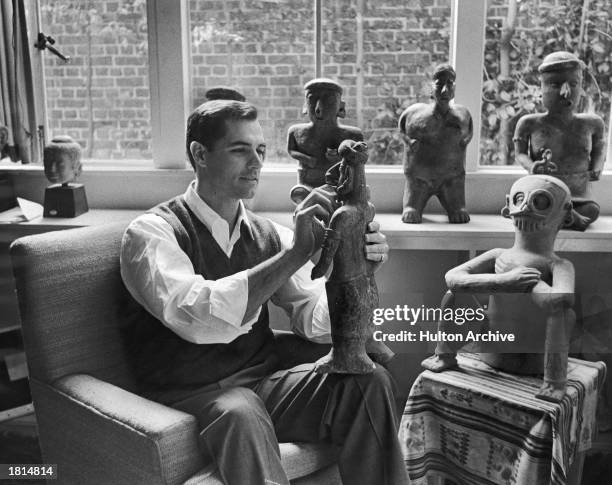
{"x": 476, "y": 425}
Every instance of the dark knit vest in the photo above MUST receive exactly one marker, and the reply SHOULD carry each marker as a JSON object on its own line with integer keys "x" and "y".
{"x": 165, "y": 361}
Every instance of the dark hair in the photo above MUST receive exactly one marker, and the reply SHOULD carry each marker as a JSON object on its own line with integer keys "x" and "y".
{"x": 207, "y": 123}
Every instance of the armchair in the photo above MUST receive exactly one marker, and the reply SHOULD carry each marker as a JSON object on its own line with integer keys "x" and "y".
{"x": 91, "y": 423}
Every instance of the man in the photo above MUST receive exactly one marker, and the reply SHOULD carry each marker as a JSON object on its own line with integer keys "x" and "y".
{"x": 205, "y": 267}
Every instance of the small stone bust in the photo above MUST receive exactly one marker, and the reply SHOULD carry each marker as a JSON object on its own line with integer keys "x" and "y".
{"x": 561, "y": 142}
{"x": 315, "y": 144}
{"x": 62, "y": 160}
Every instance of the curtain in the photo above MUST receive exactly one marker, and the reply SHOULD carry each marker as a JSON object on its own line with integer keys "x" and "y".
{"x": 17, "y": 106}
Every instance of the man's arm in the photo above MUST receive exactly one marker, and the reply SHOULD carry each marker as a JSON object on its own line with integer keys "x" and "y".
{"x": 160, "y": 276}
{"x": 267, "y": 277}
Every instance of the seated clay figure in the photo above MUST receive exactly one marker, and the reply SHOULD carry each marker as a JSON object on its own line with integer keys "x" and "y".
{"x": 315, "y": 144}
{"x": 436, "y": 136}
{"x": 531, "y": 289}
{"x": 351, "y": 288}
{"x": 62, "y": 162}
{"x": 573, "y": 142}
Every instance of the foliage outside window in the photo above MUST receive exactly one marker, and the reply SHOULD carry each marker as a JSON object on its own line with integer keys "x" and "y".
{"x": 519, "y": 34}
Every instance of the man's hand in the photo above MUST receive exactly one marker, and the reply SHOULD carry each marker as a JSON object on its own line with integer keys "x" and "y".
{"x": 377, "y": 249}
{"x": 309, "y": 230}
{"x": 594, "y": 175}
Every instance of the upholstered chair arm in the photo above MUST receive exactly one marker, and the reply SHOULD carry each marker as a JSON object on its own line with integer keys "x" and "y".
{"x": 84, "y": 420}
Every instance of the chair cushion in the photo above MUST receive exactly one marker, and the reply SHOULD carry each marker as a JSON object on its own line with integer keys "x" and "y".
{"x": 299, "y": 460}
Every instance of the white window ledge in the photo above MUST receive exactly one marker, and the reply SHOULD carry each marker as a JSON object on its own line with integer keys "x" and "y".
{"x": 137, "y": 185}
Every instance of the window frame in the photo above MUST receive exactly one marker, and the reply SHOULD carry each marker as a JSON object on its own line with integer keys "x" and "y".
{"x": 169, "y": 73}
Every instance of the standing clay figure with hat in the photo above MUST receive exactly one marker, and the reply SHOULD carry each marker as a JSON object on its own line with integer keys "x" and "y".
{"x": 436, "y": 136}
{"x": 351, "y": 288}
{"x": 561, "y": 142}
{"x": 315, "y": 144}
{"x": 531, "y": 289}
{"x": 62, "y": 161}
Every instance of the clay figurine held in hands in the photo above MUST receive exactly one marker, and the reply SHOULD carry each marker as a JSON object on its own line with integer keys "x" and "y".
{"x": 62, "y": 162}
{"x": 561, "y": 142}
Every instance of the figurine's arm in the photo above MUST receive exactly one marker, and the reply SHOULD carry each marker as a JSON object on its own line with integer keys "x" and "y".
{"x": 331, "y": 244}
{"x": 597, "y": 150}
{"x": 478, "y": 276}
{"x": 561, "y": 294}
{"x": 521, "y": 145}
{"x": 303, "y": 158}
{"x": 470, "y": 130}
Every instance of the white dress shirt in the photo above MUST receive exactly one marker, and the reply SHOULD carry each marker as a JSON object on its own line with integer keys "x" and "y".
{"x": 160, "y": 276}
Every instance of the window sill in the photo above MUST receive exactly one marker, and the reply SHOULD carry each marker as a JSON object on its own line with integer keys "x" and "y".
{"x": 483, "y": 232}
{"x": 137, "y": 185}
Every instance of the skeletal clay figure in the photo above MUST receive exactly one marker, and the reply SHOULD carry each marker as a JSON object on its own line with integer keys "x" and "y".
{"x": 531, "y": 288}
{"x": 351, "y": 288}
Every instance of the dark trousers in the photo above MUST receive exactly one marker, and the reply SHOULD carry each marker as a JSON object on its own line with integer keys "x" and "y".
{"x": 241, "y": 426}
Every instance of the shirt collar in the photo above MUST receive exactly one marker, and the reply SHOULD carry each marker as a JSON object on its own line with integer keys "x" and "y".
{"x": 218, "y": 227}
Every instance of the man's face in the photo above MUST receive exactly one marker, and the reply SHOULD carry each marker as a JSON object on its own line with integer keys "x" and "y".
{"x": 322, "y": 105}
{"x": 444, "y": 88}
{"x": 233, "y": 165}
{"x": 561, "y": 89}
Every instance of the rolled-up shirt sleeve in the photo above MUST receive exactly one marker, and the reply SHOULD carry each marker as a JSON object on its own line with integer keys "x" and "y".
{"x": 160, "y": 276}
{"x": 303, "y": 299}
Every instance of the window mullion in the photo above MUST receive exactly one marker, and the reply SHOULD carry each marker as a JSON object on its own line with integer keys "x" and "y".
{"x": 467, "y": 57}
{"x": 168, "y": 27}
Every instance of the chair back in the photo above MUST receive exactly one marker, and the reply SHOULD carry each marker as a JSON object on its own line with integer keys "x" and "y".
{"x": 70, "y": 299}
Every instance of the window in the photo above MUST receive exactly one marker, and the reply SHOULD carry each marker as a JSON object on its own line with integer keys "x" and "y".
{"x": 101, "y": 96}
{"x": 265, "y": 49}
{"x": 519, "y": 34}
{"x": 381, "y": 52}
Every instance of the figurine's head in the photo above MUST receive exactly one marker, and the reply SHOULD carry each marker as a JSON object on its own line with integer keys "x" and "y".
{"x": 539, "y": 203}
{"x": 223, "y": 92}
{"x": 353, "y": 152}
{"x": 323, "y": 100}
{"x": 443, "y": 83}
{"x": 62, "y": 160}
{"x": 561, "y": 80}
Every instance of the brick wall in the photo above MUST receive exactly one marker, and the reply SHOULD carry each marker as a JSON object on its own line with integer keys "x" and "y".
{"x": 101, "y": 97}
{"x": 266, "y": 49}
